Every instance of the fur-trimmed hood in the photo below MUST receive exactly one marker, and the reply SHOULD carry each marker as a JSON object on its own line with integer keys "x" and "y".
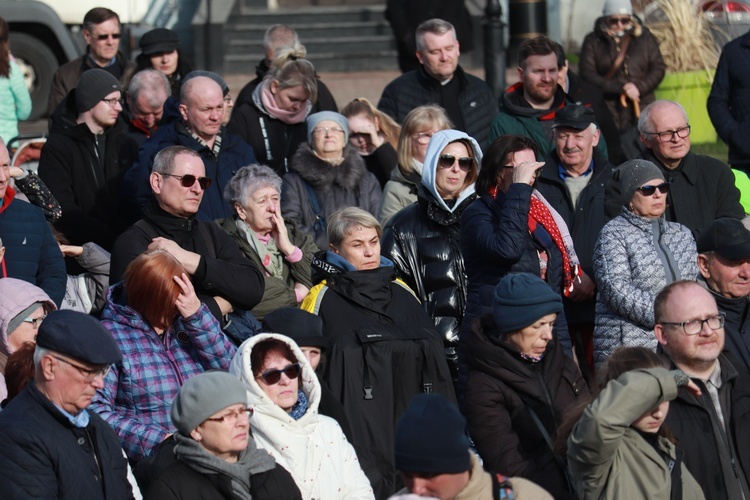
{"x": 320, "y": 174}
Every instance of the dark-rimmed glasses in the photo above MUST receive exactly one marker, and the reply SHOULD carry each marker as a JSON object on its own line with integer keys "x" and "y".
{"x": 35, "y": 322}
{"x": 231, "y": 418}
{"x": 447, "y": 161}
{"x": 114, "y": 102}
{"x": 115, "y": 36}
{"x": 668, "y": 135}
{"x": 272, "y": 377}
{"x": 695, "y": 326}
{"x": 89, "y": 375}
{"x": 188, "y": 180}
{"x": 613, "y": 21}
{"x": 649, "y": 190}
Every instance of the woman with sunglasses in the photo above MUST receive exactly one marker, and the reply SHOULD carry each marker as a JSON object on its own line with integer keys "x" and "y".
{"x": 166, "y": 335}
{"x": 419, "y": 126}
{"x": 511, "y": 228}
{"x": 212, "y": 454}
{"x": 622, "y": 58}
{"x": 420, "y": 232}
{"x": 637, "y": 254}
{"x": 284, "y": 393}
{"x": 375, "y": 135}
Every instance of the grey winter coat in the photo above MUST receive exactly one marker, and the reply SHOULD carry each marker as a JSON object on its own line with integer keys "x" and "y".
{"x": 398, "y": 193}
{"x": 349, "y": 184}
{"x": 630, "y": 272}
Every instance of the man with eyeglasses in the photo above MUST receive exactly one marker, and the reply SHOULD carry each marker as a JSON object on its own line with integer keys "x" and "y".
{"x": 711, "y": 428}
{"x": 85, "y": 158}
{"x": 223, "y": 278}
{"x": 52, "y": 446}
{"x": 724, "y": 263}
{"x": 200, "y": 128}
{"x": 102, "y": 32}
{"x": 701, "y": 188}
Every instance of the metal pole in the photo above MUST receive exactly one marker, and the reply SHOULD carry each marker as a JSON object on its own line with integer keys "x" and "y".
{"x": 494, "y": 49}
{"x": 527, "y": 19}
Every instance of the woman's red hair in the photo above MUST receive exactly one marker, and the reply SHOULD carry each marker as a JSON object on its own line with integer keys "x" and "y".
{"x": 151, "y": 289}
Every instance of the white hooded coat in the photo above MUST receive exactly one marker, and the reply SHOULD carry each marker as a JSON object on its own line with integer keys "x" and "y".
{"x": 313, "y": 449}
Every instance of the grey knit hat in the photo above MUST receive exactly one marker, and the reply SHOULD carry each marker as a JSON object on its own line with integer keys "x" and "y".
{"x": 634, "y": 174}
{"x": 315, "y": 118}
{"x": 614, "y": 7}
{"x": 520, "y": 300}
{"x": 18, "y": 318}
{"x": 202, "y": 396}
{"x": 93, "y": 86}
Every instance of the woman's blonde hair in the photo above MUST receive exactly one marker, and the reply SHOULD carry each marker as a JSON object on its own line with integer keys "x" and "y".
{"x": 420, "y": 118}
{"x": 386, "y": 124}
{"x": 290, "y": 69}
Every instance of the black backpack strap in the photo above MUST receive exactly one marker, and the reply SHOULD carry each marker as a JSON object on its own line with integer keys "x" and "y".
{"x": 320, "y": 220}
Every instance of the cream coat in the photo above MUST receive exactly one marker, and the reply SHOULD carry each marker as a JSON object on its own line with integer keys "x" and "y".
{"x": 313, "y": 449}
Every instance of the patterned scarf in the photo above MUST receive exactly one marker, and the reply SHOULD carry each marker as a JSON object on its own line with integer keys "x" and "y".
{"x": 300, "y": 407}
{"x": 540, "y": 213}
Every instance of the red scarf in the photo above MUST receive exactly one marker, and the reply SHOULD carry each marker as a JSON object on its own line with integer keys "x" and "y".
{"x": 539, "y": 213}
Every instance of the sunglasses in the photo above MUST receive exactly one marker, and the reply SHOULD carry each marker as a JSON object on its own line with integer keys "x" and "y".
{"x": 612, "y": 21}
{"x": 447, "y": 161}
{"x": 649, "y": 190}
{"x": 273, "y": 376}
{"x": 115, "y": 36}
{"x": 188, "y": 180}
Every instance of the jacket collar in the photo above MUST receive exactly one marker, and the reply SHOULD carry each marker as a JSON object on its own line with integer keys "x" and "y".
{"x": 690, "y": 169}
{"x": 428, "y": 81}
{"x": 550, "y": 173}
{"x": 10, "y": 194}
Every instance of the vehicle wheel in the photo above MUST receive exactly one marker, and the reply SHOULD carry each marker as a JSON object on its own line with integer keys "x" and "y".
{"x": 38, "y": 64}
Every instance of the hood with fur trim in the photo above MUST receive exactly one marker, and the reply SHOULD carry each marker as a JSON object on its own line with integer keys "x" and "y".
{"x": 438, "y": 142}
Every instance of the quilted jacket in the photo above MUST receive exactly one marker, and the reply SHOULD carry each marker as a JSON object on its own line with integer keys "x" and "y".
{"x": 629, "y": 273}
{"x": 138, "y": 392}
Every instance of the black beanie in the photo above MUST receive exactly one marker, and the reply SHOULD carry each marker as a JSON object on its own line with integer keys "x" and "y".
{"x": 431, "y": 437}
{"x": 520, "y": 300}
{"x": 93, "y": 86}
{"x": 304, "y": 328}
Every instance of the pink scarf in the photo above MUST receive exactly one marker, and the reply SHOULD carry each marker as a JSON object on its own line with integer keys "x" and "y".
{"x": 269, "y": 102}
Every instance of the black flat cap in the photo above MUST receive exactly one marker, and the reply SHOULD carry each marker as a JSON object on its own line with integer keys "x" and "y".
{"x": 575, "y": 116}
{"x": 80, "y": 336}
{"x": 304, "y": 328}
{"x": 159, "y": 40}
{"x": 727, "y": 237}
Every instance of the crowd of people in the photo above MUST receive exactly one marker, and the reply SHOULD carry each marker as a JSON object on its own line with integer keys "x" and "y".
{"x": 445, "y": 294}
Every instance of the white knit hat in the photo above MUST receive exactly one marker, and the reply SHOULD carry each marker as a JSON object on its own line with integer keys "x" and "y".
{"x": 614, "y": 7}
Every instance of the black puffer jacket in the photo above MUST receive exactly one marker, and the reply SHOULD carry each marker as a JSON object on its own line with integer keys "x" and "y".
{"x": 736, "y": 328}
{"x": 424, "y": 243}
{"x": 86, "y": 186}
{"x": 45, "y": 456}
{"x": 417, "y": 88}
{"x": 501, "y": 385}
